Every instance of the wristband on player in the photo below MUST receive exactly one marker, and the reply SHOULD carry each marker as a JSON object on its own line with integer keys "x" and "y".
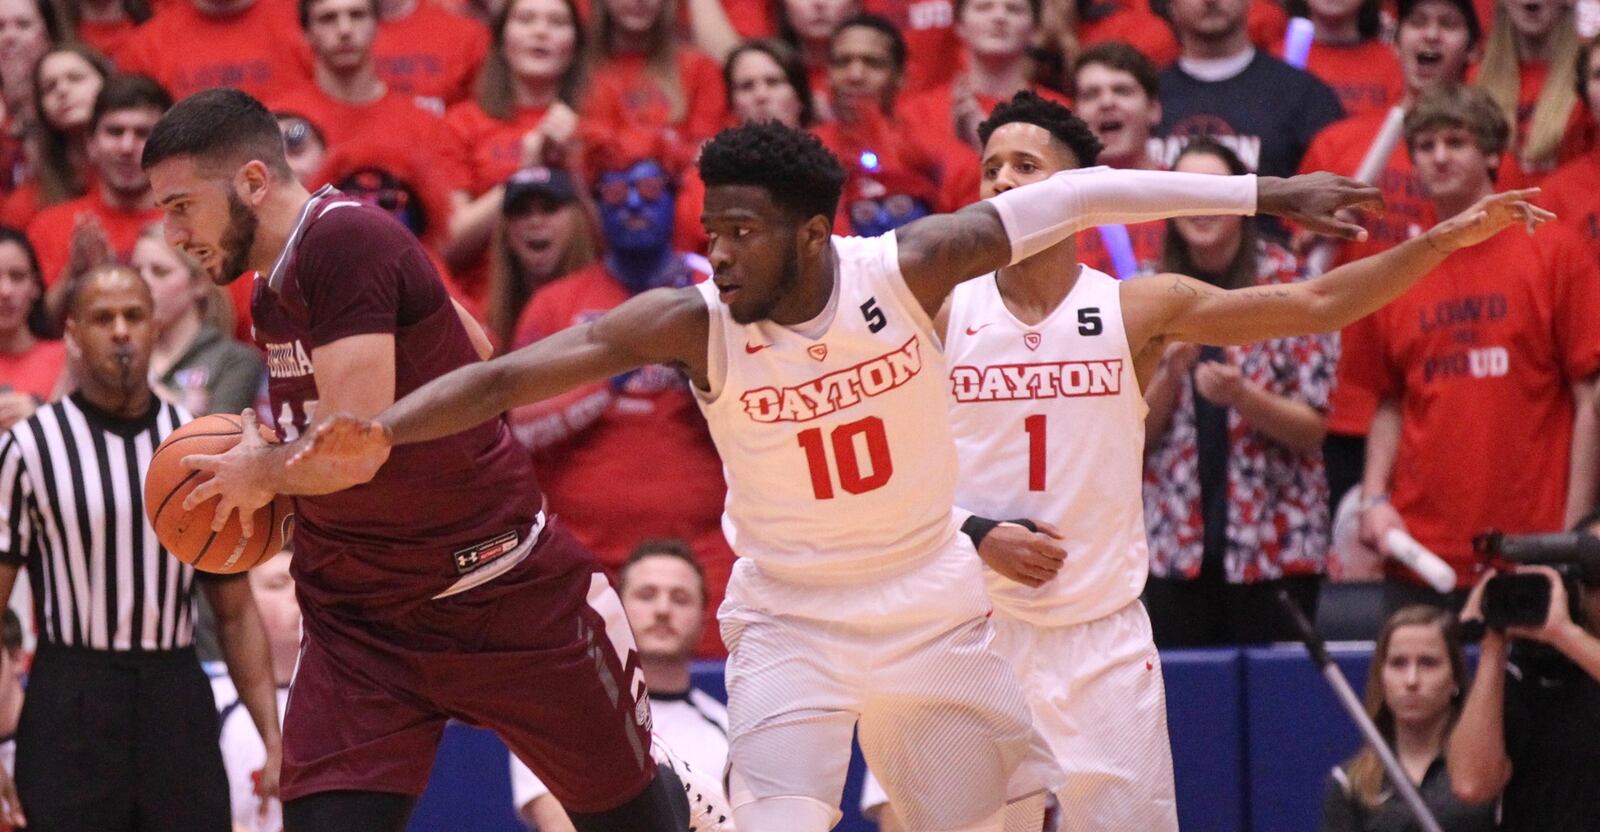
{"x": 1371, "y": 501}
{"x": 977, "y": 528}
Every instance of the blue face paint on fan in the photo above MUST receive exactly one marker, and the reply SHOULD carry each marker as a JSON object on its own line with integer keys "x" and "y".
{"x": 636, "y": 208}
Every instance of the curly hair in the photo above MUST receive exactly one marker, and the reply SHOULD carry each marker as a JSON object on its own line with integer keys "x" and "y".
{"x": 791, "y": 165}
{"x": 1028, "y": 107}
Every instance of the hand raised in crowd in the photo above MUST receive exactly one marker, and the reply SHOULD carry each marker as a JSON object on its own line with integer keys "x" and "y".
{"x": 551, "y": 138}
{"x": 1029, "y": 558}
{"x": 1488, "y": 217}
{"x": 90, "y": 246}
{"x": 14, "y": 407}
{"x": 1315, "y": 200}
{"x": 1221, "y": 383}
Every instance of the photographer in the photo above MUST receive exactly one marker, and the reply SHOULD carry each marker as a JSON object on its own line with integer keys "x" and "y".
{"x": 1530, "y": 731}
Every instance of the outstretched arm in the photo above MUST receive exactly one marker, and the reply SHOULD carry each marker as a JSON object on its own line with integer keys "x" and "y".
{"x": 665, "y": 326}
{"x": 940, "y": 251}
{"x": 1181, "y": 308}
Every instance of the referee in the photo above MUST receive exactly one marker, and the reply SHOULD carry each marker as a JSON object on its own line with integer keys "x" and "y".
{"x": 118, "y": 730}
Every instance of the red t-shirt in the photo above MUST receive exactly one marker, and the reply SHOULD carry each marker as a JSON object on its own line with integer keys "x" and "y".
{"x": 107, "y": 38}
{"x": 21, "y": 205}
{"x": 488, "y": 149}
{"x": 933, "y": 49}
{"x": 51, "y": 231}
{"x": 1481, "y": 355}
{"x": 261, "y": 50}
{"x": 1135, "y": 25}
{"x": 1573, "y": 192}
{"x": 931, "y": 114}
{"x": 34, "y": 372}
{"x": 600, "y": 479}
{"x": 1366, "y": 76}
{"x": 431, "y": 54}
{"x": 1266, "y": 22}
{"x": 384, "y": 120}
{"x": 1576, "y": 140}
{"x": 1407, "y": 213}
{"x": 623, "y": 95}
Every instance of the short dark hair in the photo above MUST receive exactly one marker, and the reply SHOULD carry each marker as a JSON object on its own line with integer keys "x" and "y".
{"x": 218, "y": 126}
{"x": 788, "y": 60}
{"x": 883, "y": 26}
{"x": 668, "y": 548}
{"x": 129, "y": 92}
{"x": 1028, "y": 107}
{"x": 82, "y": 283}
{"x": 791, "y": 165}
{"x": 1469, "y": 108}
{"x": 305, "y": 12}
{"x": 1114, "y": 54}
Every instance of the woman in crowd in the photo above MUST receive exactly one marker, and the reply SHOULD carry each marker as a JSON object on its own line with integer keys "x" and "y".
{"x": 194, "y": 363}
{"x": 65, "y": 84}
{"x": 764, "y": 80}
{"x": 1414, "y": 693}
{"x": 27, "y": 28}
{"x": 547, "y": 232}
{"x": 30, "y": 364}
{"x": 642, "y": 79}
{"x": 807, "y": 26}
{"x": 1527, "y": 69}
{"x": 525, "y": 114}
{"x": 1235, "y": 495}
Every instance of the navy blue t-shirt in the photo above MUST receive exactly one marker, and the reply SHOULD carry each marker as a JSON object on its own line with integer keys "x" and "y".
{"x": 1268, "y": 113}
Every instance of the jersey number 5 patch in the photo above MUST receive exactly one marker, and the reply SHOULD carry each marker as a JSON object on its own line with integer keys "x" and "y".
{"x": 874, "y": 316}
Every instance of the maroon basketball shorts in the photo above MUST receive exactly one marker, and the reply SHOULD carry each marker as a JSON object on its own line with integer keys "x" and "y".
{"x": 542, "y": 656}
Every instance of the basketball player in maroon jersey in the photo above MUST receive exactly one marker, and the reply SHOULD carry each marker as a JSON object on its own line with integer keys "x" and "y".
{"x": 439, "y": 589}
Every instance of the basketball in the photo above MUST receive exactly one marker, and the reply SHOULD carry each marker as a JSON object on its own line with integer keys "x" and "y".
{"x": 187, "y": 534}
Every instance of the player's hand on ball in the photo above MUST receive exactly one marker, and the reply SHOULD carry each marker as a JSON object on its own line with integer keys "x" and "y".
{"x": 1488, "y": 217}
{"x": 1029, "y": 558}
{"x": 234, "y": 478}
{"x": 344, "y": 450}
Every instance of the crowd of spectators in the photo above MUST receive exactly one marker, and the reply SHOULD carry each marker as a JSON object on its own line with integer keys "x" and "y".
{"x": 544, "y": 152}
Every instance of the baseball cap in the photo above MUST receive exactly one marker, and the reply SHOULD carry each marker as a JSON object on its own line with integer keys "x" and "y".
{"x": 1468, "y": 10}
{"x": 551, "y": 183}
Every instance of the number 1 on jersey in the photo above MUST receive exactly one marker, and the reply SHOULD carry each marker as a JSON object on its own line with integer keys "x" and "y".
{"x": 1034, "y": 425}
{"x": 843, "y": 440}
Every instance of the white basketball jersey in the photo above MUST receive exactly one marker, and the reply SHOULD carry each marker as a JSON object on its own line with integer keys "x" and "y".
{"x": 1049, "y": 425}
{"x": 837, "y": 454}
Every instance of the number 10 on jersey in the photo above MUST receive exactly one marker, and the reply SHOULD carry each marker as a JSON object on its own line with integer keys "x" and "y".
{"x": 847, "y": 443}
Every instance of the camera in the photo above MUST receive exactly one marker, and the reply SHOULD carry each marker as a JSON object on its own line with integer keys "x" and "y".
{"x": 1523, "y": 600}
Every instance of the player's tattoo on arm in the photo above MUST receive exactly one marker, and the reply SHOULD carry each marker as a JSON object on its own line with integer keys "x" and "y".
{"x": 940, "y": 251}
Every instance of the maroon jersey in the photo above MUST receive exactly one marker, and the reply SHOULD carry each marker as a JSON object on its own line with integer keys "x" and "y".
{"x": 440, "y": 516}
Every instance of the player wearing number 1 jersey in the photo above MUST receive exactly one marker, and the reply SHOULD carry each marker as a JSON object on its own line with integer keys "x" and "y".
{"x": 1045, "y": 361}
{"x": 856, "y": 603}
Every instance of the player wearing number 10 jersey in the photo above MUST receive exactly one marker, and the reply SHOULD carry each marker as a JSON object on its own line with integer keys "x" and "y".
{"x": 1046, "y": 358}
{"x": 856, "y": 602}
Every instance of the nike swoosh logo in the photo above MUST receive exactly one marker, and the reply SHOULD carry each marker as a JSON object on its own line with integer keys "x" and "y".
{"x": 752, "y": 349}
{"x": 976, "y": 330}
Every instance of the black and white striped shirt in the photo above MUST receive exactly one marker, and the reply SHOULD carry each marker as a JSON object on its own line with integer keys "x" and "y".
{"x": 72, "y": 513}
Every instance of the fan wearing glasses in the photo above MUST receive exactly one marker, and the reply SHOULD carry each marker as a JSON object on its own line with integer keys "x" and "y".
{"x": 591, "y": 446}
